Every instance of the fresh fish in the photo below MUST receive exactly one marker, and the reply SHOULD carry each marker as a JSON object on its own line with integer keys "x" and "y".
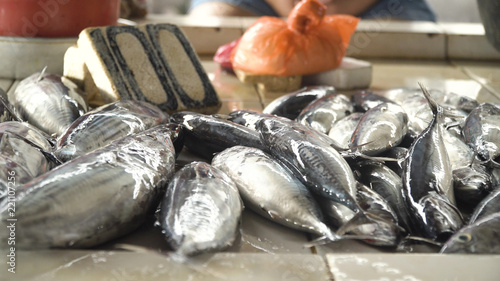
{"x": 480, "y": 237}
{"x": 453, "y": 100}
{"x": 419, "y": 113}
{"x": 489, "y": 205}
{"x": 206, "y": 135}
{"x": 20, "y": 162}
{"x": 290, "y": 105}
{"x": 45, "y": 102}
{"x": 387, "y": 184}
{"x": 29, "y": 133}
{"x": 6, "y": 111}
{"x": 380, "y": 128}
{"x": 323, "y": 112}
{"x": 373, "y": 203}
{"x": 447, "y": 100}
{"x": 471, "y": 184}
{"x": 482, "y": 131}
{"x": 459, "y": 153}
{"x": 374, "y": 230}
{"x": 271, "y": 190}
{"x": 320, "y": 168}
{"x": 177, "y": 136}
{"x": 94, "y": 198}
{"x": 427, "y": 182}
{"x": 247, "y": 118}
{"x": 342, "y": 130}
{"x": 365, "y": 100}
{"x": 105, "y": 124}
{"x": 201, "y": 210}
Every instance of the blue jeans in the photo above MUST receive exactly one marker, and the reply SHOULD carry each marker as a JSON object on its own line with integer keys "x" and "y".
{"x": 417, "y": 10}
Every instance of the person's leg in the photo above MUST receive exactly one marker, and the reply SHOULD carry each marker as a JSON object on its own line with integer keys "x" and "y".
{"x": 216, "y": 8}
{"x": 231, "y": 8}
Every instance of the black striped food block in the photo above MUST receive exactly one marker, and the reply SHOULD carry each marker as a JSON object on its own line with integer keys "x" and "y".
{"x": 153, "y": 63}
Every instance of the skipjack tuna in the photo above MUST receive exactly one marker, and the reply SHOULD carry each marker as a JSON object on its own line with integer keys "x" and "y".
{"x": 95, "y": 198}
{"x": 44, "y": 101}
{"x": 201, "y": 210}
{"x": 23, "y": 151}
{"x": 109, "y": 122}
{"x": 267, "y": 193}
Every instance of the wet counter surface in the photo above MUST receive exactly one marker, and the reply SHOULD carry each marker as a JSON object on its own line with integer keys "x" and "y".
{"x": 265, "y": 250}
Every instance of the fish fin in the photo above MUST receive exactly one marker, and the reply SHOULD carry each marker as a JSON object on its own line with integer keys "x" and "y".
{"x": 359, "y": 218}
{"x": 435, "y": 107}
{"x": 40, "y": 77}
{"x": 323, "y": 240}
{"x": 417, "y": 239}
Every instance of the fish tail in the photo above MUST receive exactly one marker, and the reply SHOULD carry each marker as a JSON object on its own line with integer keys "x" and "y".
{"x": 359, "y": 218}
{"x": 320, "y": 241}
{"x": 435, "y": 107}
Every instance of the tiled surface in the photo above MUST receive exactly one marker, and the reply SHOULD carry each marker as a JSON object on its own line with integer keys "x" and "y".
{"x": 413, "y": 267}
{"x": 147, "y": 265}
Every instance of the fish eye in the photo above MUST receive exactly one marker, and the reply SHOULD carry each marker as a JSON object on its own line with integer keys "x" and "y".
{"x": 466, "y": 237}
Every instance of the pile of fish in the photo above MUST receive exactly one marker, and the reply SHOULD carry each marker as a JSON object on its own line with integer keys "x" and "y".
{"x": 382, "y": 167}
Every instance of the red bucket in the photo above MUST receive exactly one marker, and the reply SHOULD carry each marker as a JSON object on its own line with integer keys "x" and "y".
{"x": 55, "y": 18}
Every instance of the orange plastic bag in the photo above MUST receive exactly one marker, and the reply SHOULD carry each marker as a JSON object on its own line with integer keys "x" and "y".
{"x": 308, "y": 42}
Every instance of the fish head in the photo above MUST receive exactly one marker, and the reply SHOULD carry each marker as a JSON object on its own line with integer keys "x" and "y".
{"x": 439, "y": 218}
{"x": 462, "y": 242}
{"x": 480, "y": 237}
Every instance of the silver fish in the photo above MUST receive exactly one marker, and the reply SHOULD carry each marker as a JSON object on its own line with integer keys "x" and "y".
{"x": 271, "y": 190}
{"x": 290, "y": 105}
{"x": 387, "y": 184}
{"x": 322, "y": 113}
{"x": 206, "y": 135}
{"x": 427, "y": 181}
{"x": 480, "y": 237}
{"x": 6, "y": 111}
{"x": 320, "y": 168}
{"x": 247, "y": 118}
{"x": 31, "y": 134}
{"x": 459, "y": 153}
{"x": 341, "y": 132}
{"x": 95, "y": 198}
{"x": 45, "y": 102}
{"x": 19, "y": 163}
{"x": 380, "y": 128}
{"x": 25, "y": 153}
{"x": 371, "y": 229}
{"x": 365, "y": 100}
{"x": 489, "y": 205}
{"x": 482, "y": 131}
{"x": 471, "y": 184}
{"x": 201, "y": 210}
{"x": 105, "y": 124}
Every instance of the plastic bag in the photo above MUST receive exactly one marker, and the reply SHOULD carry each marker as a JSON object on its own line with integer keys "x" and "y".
{"x": 308, "y": 42}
